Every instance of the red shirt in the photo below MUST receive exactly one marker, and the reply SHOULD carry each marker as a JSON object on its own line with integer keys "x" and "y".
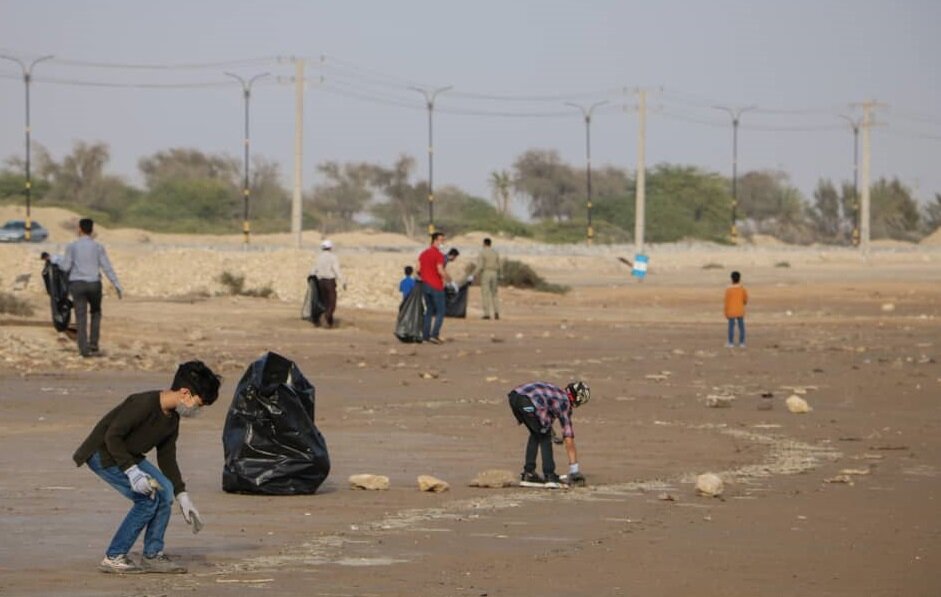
{"x": 428, "y": 263}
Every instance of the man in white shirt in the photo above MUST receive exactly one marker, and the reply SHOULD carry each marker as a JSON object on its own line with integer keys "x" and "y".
{"x": 327, "y": 271}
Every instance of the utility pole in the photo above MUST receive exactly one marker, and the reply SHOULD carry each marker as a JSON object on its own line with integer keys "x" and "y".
{"x": 866, "y": 173}
{"x": 587, "y": 112}
{"x": 246, "y": 186}
{"x": 430, "y": 95}
{"x": 640, "y": 198}
{"x": 27, "y": 78}
{"x": 855, "y": 124}
{"x": 736, "y": 114}
{"x": 296, "y": 224}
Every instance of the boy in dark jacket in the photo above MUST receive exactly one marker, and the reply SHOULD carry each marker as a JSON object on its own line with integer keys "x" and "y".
{"x": 115, "y": 451}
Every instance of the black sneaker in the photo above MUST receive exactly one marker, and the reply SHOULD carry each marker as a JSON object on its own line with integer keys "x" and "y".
{"x": 553, "y": 482}
{"x": 528, "y": 479}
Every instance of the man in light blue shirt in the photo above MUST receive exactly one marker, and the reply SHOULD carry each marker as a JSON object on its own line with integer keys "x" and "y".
{"x": 84, "y": 259}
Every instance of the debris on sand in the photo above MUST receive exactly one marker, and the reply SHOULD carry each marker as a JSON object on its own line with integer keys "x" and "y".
{"x": 888, "y": 307}
{"x": 666, "y": 497}
{"x": 370, "y": 482}
{"x": 846, "y": 479}
{"x": 709, "y": 484}
{"x": 494, "y": 478}
{"x": 797, "y": 405}
{"x": 433, "y": 484}
{"x": 719, "y": 401}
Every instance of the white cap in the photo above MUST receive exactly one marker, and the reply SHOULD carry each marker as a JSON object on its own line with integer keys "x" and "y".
{"x": 327, "y": 244}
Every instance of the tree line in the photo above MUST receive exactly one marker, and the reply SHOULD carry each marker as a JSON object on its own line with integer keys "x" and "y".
{"x": 187, "y": 190}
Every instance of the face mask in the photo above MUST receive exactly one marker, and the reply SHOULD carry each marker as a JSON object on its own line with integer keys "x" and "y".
{"x": 187, "y": 411}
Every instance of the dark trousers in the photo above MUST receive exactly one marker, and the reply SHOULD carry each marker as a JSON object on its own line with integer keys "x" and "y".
{"x": 434, "y": 309}
{"x": 741, "y": 329}
{"x": 540, "y": 438}
{"x": 85, "y": 295}
{"x": 328, "y": 296}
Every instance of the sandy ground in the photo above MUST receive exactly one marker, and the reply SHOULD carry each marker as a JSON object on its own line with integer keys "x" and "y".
{"x": 858, "y": 339}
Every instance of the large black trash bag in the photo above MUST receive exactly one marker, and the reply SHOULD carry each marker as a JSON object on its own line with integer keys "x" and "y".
{"x": 57, "y": 286}
{"x": 411, "y": 313}
{"x": 455, "y": 301}
{"x": 270, "y": 442}
{"x": 313, "y": 305}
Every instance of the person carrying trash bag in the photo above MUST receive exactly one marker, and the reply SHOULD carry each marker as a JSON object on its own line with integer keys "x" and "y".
{"x": 115, "y": 452}
{"x": 270, "y": 443}
{"x": 408, "y": 324}
{"x": 537, "y": 404}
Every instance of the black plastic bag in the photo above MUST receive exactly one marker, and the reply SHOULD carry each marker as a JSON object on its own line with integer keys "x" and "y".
{"x": 57, "y": 286}
{"x": 408, "y": 325}
{"x": 270, "y": 442}
{"x": 313, "y": 306}
{"x": 455, "y": 301}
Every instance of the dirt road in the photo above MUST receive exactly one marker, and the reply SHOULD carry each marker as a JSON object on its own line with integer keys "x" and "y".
{"x": 653, "y": 352}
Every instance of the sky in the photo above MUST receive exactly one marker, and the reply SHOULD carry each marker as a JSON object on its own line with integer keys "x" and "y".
{"x": 513, "y": 64}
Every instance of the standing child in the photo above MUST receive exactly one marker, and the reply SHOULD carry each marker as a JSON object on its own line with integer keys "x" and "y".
{"x": 736, "y": 297}
{"x": 407, "y": 283}
{"x": 115, "y": 451}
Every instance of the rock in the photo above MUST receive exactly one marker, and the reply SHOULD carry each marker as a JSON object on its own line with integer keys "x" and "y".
{"x": 196, "y": 336}
{"x": 709, "y": 484}
{"x": 840, "y": 479}
{"x": 666, "y": 497}
{"x": 372, "y": 482}
{"x": 494, "y": 478}
{"x": 719, "y": 401}
{"x": 797, "y": 405}
{"x": 429, "y": 483}
{"x": 888, "y": 307}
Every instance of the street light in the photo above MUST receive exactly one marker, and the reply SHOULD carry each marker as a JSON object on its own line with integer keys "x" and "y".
{"x": 736, "y": 114}
{"x": 246, "y": 189}
{"x": 586, "y": 112}
{"x": 855, "y": 123}
{"x": 430, "y": 95}
{"x": 27, "y": 77}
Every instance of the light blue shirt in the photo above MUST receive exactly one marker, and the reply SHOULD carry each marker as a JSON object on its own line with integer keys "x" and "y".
{"x": 84, "y": 258}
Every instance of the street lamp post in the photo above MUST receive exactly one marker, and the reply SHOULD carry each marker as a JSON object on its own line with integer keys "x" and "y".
{"x": 430, "y": 95}
{"x": 736, "y": 114}
{"x": 27, "y": 78}
{"x": 855, "y": 124}
{"x": 246, "y": 187}
{"x": 587, "y": 112}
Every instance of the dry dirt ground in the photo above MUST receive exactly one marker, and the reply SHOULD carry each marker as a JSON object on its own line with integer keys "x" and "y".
{"x": 844, "y": 500}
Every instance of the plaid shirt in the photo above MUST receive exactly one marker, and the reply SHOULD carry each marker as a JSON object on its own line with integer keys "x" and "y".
{"x": 551, "y": 402}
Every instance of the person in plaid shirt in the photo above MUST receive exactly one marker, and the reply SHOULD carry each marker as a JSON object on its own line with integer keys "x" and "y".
{"x": 537, "y": 404}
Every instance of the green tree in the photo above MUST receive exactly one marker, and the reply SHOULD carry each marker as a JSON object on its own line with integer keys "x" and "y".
{"x": 551, "y": 186}
{"x": 187, "y": 205}
{"x": 457, "y": 212}
{"x": 932, "y": 219}
{"x": 893, "y": 211}
{"x": 404, "y": 202}
{"x": 190, "y": 164}
{"x": 501, "y": 186}
{"x": 79, "y": 180}
{"x": 345, "y": 194}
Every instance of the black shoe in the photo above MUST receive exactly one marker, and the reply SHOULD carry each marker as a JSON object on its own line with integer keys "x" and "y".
{"x": 528, "y": 479}
{"x": 496, "y": 316}
{"x": 485, "y": 317}
{"x": 553, "y": 481}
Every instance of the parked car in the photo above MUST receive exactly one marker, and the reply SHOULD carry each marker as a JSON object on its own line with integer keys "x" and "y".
{"x": 14, "y": 231}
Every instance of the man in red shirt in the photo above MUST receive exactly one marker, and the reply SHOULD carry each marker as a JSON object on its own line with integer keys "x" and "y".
{"x": 433, "y": 276}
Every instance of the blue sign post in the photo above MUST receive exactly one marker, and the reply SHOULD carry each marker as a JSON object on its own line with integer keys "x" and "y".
{"x": 639, "y": 270}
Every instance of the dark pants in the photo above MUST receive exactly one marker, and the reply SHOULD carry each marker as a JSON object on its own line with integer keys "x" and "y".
{"x": 540, "y": 438}
{"x": 85, "y": 295}
{"x": 434, "y": 307}
{"x": 328, "y": 296}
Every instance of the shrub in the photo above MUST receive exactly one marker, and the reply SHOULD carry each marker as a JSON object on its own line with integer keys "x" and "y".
{"x": 520, "y": 275}
{"x": 14, "y": 305}
{"x": 235, "y": 286}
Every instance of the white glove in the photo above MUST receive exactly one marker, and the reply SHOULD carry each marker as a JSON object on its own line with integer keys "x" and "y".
{"x": 140, "y": 481}
{"x": 470, "y": 279}
{"x": 189, "y": 511}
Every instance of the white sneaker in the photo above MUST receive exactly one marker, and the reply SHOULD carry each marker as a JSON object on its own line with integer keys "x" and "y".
{"x": 119, "y": 564}
{"x": 729, "y": 345}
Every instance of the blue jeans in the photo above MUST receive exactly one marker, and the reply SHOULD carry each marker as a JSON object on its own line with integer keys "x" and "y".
{"x": 154, "y": 514}
{"x": 741, "y": 330}
{"x": 434, "y": 306}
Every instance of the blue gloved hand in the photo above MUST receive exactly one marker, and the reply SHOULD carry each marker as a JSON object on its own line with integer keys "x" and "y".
{"x": 140, "y": 481}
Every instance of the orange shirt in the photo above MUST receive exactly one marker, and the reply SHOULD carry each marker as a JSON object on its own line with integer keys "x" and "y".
{"x": 736, "y": 297}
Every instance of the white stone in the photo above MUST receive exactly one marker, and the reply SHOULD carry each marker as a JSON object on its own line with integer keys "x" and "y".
{"x": 429, "y": 483}
{"x": 494, "y": 478}
{"x": 709, "y": 484}
{"x": 797, "y": 405}
{"x": 371, "y": 482}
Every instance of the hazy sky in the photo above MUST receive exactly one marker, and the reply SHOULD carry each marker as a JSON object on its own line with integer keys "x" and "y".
{"x": 804, "y": 61}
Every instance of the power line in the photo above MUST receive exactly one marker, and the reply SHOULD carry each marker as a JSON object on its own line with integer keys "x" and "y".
{"x": 170, "y": 66}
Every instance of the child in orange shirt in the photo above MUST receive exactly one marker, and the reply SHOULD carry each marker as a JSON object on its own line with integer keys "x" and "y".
{"x": 736, "y": 297}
